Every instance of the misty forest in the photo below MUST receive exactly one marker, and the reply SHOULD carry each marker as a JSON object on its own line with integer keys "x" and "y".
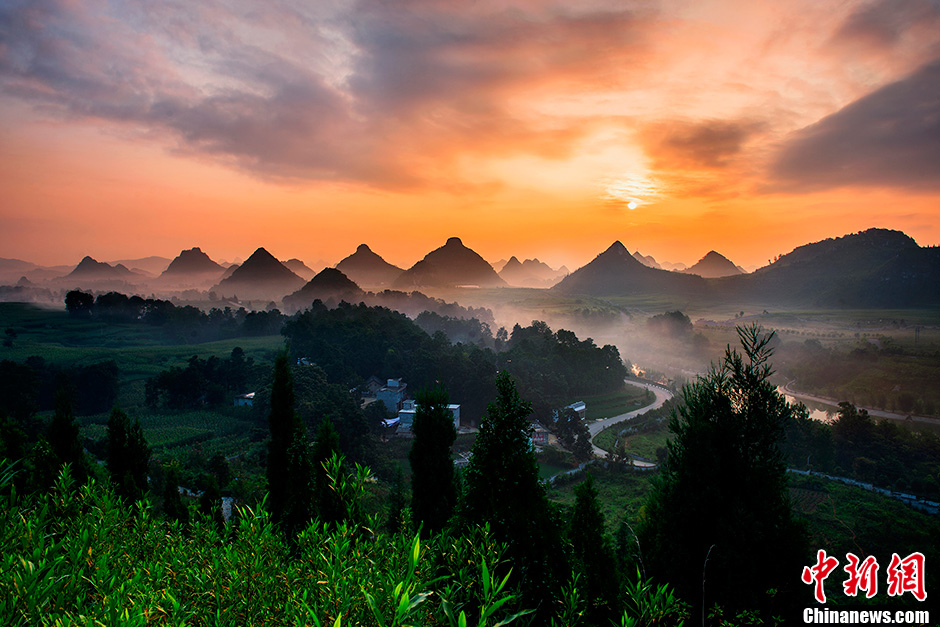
{"x": 630, "y": 443}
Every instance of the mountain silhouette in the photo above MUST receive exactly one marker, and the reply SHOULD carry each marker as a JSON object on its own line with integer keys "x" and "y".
{"x": 712, "y": 266}
{"x": 615, "y": 272}
{"x": 190, "y": 262}
{"x": 89, "y": 268}
{"x": 453, "y": 264}
{"x": 873, "y": 268}
{"x": 329, "y": 284}
{"x": 529, "y": 273}
{"x": 369, "y": 269}
{"x": 299, "y": 268}
{"x": 261, "y": 276}
{"x": 647, "y": 261}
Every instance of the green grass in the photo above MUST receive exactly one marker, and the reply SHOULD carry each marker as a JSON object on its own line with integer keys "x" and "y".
{"x": 629, "y": 398}
{"x": 621, "y": 493}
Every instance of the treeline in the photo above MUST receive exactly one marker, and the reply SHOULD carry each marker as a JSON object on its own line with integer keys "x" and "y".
{"x": 30, "y": 387}
{"x": 883, "y": 374}
{"x": 189, "y": 324}
{"x": 211, "y": 382}
{"x": 880, "y": 452}
{"x": 184, "y": 323}
{"x": 353, "y": 342}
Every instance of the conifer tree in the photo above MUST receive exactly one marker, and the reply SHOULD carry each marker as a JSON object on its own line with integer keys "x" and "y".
{"x": 720, "y": 511}
{"x": 328, "y": 505}
{"x": 63, "y": 434}
{"x": 503, "y": 490}
{"x": 173, "y": 506}
{"x": 128, "y": 455}
{"x": 210, "y": 502}
{"x": 289, "y": 473}
{"x": 432, "y": 466}
{"x": 594, "y": 558}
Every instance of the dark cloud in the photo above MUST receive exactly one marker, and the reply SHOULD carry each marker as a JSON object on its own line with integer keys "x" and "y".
{"x": 884, "y": 22}
{"x": 377, "y": 92}
{"x": 706, "y": 144}
{"x": 889, "y": 138}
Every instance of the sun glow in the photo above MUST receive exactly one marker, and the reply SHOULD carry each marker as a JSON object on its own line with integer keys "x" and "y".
{"x": 633, "y": 189}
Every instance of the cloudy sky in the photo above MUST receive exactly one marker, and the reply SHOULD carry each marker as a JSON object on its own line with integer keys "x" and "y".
{"x": 533, "y": 128}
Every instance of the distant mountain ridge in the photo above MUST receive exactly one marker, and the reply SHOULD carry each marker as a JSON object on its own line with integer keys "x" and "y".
{"x": 262, "y": 276}
{"x": 451, "y": 265}
{"x": 192, "y": 261}
{"x": 712, "y": 266}
{"x": 329, "y": 283}
{"x": 617, "y": 272}
{"x": 369, "y": 269}
{"x": 530, "y": 273}
{"x": 873, "y": 268}
{"x": 299, "y": 268}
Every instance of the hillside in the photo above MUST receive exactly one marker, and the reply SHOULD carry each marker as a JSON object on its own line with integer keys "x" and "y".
{"x": 451, "y": 265}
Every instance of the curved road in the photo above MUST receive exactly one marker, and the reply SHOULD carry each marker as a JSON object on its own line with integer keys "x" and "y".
{"x": 662, "y": 395}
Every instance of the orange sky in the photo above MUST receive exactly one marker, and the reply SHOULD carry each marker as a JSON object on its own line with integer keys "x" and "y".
{"x": 536, "y": 129}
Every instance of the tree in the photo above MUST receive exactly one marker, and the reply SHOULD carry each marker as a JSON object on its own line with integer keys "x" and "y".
{"x": 719, "y": 515}
{"x": 328, "y": 505}
{"x": 128, "y": 455}
{"x": 174, "y": 508}
{"x": 290, "y": 471}
{"x": 594, "y": 556}
{"x": 432, "y": 466}
{"x": 79, "y": 304}
{"x": 503, "y": 489}
{"x": 63, "y": 434}
{"x": 210, "y": 502}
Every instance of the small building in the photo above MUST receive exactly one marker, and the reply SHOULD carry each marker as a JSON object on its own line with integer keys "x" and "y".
{"x": 245, "y": 400}
{"x": 392, "y": 394}
{"x": 372, "y": 385}
{"x": 409, "y": 408}
{"x": 539, "y": 436}
{"x": 579, "y": 407}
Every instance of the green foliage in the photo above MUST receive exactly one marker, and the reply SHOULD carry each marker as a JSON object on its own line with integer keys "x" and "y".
{"x": 433, "y": 495}
{"x": 593, "y": 555}
{"x": 649, "y": 604}
{"x": 128, "y": 456}
{"x": 63, "y": 435}
{"x": 211, "y": 381}
{"x": 78, "y": 556}
{"x": 721, "y": 505}
{"x": 503, "y": 488}
{"x": 290, "y": 468}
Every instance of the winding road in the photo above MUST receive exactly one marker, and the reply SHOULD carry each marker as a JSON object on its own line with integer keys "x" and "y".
{"x": 662, "y": 395}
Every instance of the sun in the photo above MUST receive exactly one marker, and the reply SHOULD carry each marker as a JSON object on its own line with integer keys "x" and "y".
{"x": 633, "y": 189}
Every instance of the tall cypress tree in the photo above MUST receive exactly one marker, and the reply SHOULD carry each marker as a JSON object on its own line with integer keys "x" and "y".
{"x": 128, "y": 455}
{"x": 719, "y": 514}
{"x": 289, "y": 469}
{"x": 593, "y": 555}
{"x": 328, "y": 505}
{"x": 63, "y": 434}
{"x": 432, "y": 466}
{"x": 503, "y": 489}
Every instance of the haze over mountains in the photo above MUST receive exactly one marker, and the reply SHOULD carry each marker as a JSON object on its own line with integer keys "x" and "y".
{"x": 874, "y": 268}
